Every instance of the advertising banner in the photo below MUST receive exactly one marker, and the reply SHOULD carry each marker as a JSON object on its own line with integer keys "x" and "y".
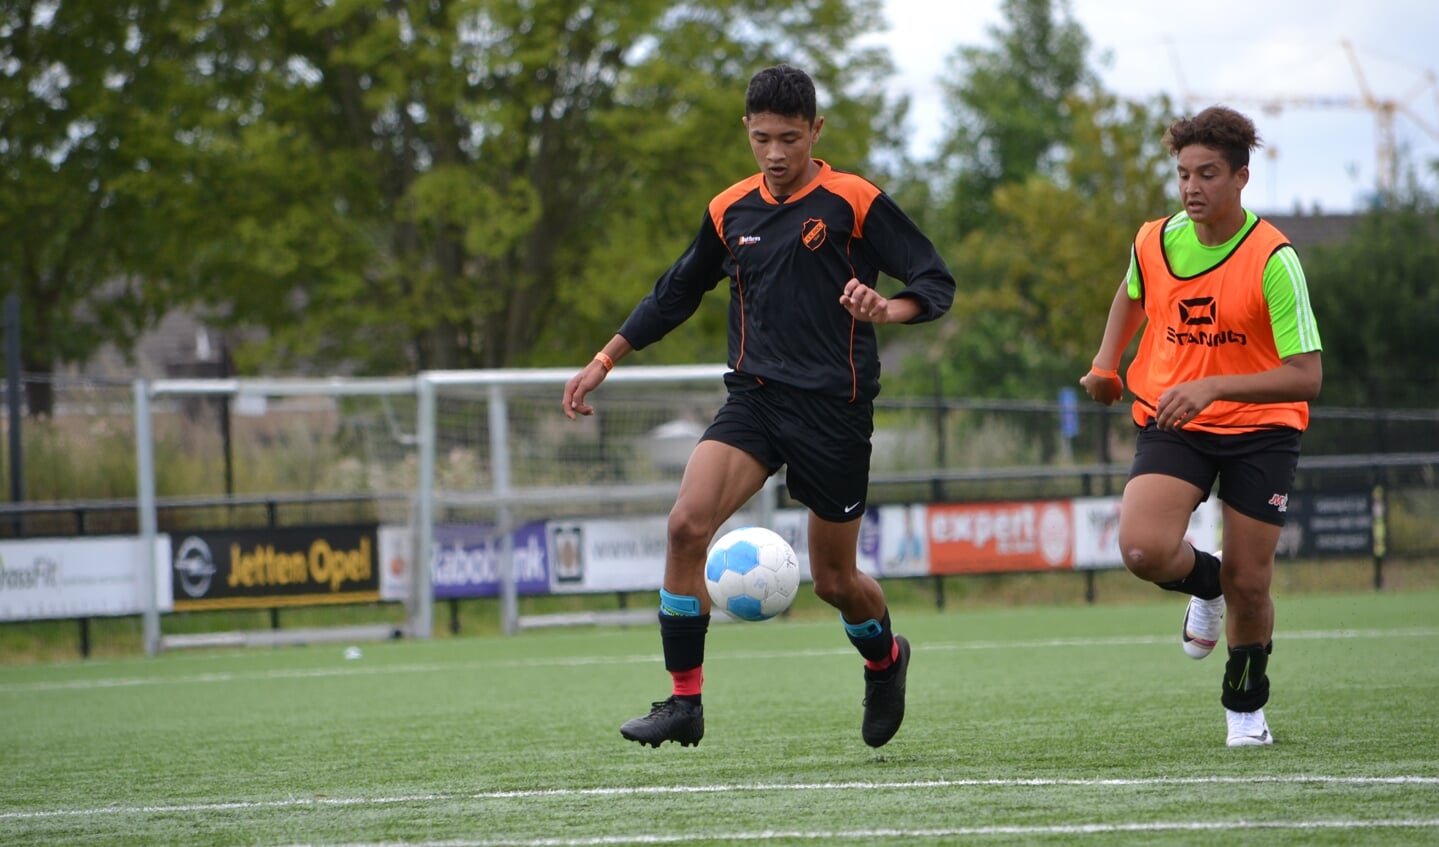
{"x": 1096, "y": 531}
{"x": 396, "y": 562}
{"x": 1325, "y": 525}
{"x": 61, "y": 578}
{"x": 263, "y": 568}
{"x": 1031, "y": 535}
{"x": 903, "y": 539}
{"x": 468, "y": 558}
{"x": 625, "y": 554}
{"x": 628, "y": 554}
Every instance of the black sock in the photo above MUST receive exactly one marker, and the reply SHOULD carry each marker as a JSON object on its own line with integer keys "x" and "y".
{"x": 1203, "y": 580}
{"x": 683, "y": 637}
{"x": 874, "y": 643}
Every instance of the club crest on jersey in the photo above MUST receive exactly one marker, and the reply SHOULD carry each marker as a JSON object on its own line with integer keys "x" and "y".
{"x": 813, "y": 233}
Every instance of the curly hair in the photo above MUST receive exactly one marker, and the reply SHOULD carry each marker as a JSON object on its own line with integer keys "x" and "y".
{"x": 781, "y": 90}
{"x": 1219, "y": 128}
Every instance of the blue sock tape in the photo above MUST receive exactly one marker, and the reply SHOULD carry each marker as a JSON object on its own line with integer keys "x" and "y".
{"x": 868, "y": 629}
{"x": 680, "y": 605}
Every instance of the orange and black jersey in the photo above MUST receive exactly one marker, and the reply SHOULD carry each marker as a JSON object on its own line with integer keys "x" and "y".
{"x": 788, "y": 260}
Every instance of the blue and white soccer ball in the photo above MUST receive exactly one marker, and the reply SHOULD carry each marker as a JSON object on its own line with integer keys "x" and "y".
{"x": 752, "y": 573}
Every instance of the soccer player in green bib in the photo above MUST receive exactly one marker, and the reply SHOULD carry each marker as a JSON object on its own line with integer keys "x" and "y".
{"x": 1227, "y": 364}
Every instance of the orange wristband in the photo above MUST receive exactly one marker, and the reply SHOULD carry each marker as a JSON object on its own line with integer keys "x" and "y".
{"x": 1114, "y": 374}
{"x": 605, "y": 361}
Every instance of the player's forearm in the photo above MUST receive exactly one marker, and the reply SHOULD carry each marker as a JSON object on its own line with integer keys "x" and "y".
{"x": 1125, "y": 317}
{"x": 900, "y": 310}
{"x": 1298, "y": 378}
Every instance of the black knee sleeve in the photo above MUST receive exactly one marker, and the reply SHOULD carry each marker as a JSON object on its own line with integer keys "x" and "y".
{"x": 1246, "y": 681}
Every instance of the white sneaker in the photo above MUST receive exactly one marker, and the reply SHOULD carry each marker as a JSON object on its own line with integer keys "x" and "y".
{"x": 1248, "y": 729}
{"x": 1203, "y": 623}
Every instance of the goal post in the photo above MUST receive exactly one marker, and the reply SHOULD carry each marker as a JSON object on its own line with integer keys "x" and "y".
{"x": 499, "y": 460}
{"x": 463, "y": 464}
{"x": 338, "y": 452}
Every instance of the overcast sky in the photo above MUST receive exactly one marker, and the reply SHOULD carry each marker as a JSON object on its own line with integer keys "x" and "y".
{"x": 1321, "y": 150}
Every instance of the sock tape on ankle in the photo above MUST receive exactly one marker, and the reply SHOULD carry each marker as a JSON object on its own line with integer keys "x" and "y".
{"x": 868, "y": 629}
{"x": 679, "y": 605}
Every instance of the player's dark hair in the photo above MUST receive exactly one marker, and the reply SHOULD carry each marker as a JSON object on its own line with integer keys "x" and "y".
{"x": 781, "y": 90}
{"x": 1218, "y": 128}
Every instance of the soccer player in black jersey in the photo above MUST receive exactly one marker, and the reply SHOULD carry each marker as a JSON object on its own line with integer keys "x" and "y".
{"x": 802, "y": 245}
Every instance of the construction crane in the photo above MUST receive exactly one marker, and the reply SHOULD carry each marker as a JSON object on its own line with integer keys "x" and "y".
{"x": 1386, "y": 152}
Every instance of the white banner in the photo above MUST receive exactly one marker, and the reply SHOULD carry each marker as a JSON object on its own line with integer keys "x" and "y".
{"x": 396, "y": 544}
{"x": 57, "y": 578}
{"x": 903, "y": 540}
{"x": 1096, "y": 531}
{"x": 628, "y": 554}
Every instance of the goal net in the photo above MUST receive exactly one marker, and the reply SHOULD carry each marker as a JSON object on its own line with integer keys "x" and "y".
{"x": 296, "y": 493}
{"x": 520, "y": 500}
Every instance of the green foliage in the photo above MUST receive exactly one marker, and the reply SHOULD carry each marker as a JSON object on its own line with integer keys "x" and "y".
{"x": 1377, "y": 305}
{"x": 1036, "y": 282}
{"x": 538, "y": 165}
{"x": 1010, "y": 102}
{"x": 78, "y": 458}
{"x": 377, "y": 188}
{"x": 385, "y": 187}
{"x": 88, "y": 110}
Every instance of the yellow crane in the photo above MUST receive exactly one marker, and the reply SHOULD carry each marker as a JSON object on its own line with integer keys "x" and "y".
{"x": 1386, "y": 152}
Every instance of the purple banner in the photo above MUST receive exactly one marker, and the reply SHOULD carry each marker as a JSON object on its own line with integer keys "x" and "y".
{"x": 467, "y": 560}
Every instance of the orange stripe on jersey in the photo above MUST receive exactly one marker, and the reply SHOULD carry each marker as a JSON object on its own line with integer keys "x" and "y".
{"x": 859, "y": 193}
{"x": 856, "y": 190}
{"x": 729, "y": 197}
{"x": 717, "y": 208}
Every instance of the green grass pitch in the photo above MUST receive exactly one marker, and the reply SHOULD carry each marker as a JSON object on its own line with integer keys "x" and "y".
{"x": 1037, "y": 725}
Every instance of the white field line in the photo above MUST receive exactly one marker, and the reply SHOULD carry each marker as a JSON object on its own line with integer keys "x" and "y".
{"x": 904, "y": 834}
{"x": 352, "y": 669}
{"x": 662, "y": 790}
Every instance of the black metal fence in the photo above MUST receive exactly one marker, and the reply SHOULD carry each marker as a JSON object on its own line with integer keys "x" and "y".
{"x": 80, "y": 463}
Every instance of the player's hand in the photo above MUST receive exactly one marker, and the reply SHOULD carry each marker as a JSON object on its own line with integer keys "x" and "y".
{"x": 864, "y": 303}
{"x": 581, "y": 384}
{"x": 1182, "y": 404}
{"x": 1103, "y": 389}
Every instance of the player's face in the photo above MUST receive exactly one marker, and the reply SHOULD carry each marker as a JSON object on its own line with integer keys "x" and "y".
{"x": 781, "y": 148}
{"x": 1207, "y": 187}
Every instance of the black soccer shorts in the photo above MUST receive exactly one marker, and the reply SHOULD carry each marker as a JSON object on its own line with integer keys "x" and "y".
{"x": 1255, "y": 469}
{"x": 823, "y": 442}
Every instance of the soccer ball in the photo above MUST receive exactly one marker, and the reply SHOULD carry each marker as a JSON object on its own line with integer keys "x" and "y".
{"x": 752, "y": 573}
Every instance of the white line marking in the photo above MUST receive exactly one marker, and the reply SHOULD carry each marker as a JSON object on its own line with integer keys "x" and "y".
{"x": 946, "y": 832}
{"x": 654, "y": 790}
{"x": 649, "y": 658}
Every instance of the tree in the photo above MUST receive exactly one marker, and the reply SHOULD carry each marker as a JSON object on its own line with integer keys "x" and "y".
{"x": 86, "y": 144}
{"x": 1039, "y": 187}
{"x": 1377, "y": 306}
{"x": 1011, "y": 108}
{"x": 509, "y": 177}
{"x": 384, "y": 186}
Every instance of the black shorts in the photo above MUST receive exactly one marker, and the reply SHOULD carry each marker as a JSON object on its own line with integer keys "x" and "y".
{"x": 823, "y": 441}
{"x": 1255, "y": 469}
